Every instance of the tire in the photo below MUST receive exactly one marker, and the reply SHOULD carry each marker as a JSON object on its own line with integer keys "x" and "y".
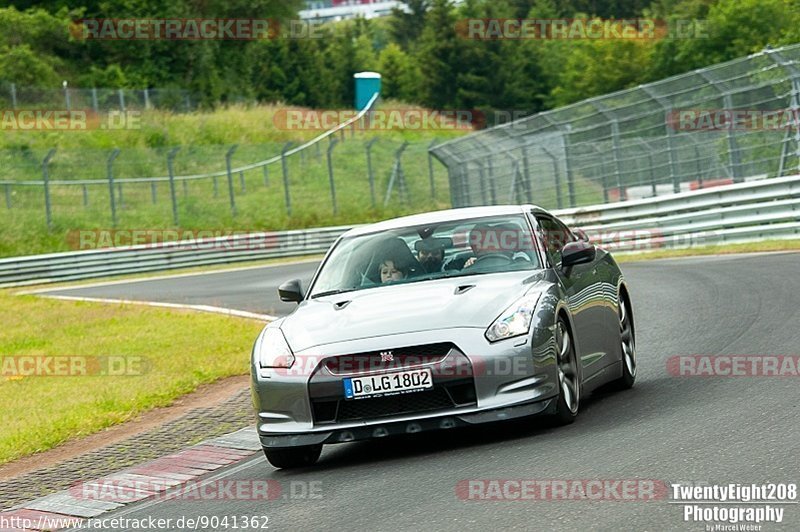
{"x": 627, "y": 338}
{"x": 293, "y": 457}
{"x": 569, "y": 388}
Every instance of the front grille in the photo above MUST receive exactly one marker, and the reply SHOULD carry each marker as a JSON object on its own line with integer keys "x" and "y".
{"x": 401, "y": 357}
{"x": 368, "y": 408}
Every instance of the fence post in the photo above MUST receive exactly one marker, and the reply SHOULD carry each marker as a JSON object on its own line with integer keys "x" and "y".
{"x": 170, "y": 159}
{"x": 241, "y": 181}
{"x": 8, "y": 195}
{"x": 397, "y": 175}
{"x": 95, "y": 105}
{"x": 153, "y": 192}
{"x": 490, "y": 179}
{"x": 330, "y": 174}
{"x": 430, "y": 169}
{"x": 370, "y": 175}
{"x": 285, "y": 168}
{"x": 697, "y": 165}
{"x": 110, "y": 175}
{"x": 230, "y": 177}
{"x": 266, "y": 175}
{"x": 146, "y": 99}
{"x": 66, "y": 97}
{"x": 556, "y": 177}
{"x": 527, "y": 174}
{"x": 121, "y": 95}
{"x": 85, "y": 196}
{"x": 13, "y": 96}
{"x": 46, "y": 180}
{"x": 216, "y": 186}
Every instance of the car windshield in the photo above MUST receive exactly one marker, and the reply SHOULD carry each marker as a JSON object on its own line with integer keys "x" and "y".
{"x": 432, "y": 251}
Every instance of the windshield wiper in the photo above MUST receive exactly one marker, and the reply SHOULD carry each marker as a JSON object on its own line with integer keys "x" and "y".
{"x": 332, "y": 292}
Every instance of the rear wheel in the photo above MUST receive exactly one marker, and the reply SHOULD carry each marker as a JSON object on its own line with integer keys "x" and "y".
{"x": 292, "y": 457}
{"x": 569, "y": 395}
{"x": 627, "y": 344}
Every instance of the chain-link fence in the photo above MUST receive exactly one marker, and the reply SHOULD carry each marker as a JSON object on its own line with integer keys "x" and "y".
{"x": 99, "y": 100}
{"x": 726, "y": 123}
{"x": 346, "y": 179}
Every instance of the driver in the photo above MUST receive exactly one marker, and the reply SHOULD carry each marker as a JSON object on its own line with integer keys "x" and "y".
{"x": 488, "y": 240}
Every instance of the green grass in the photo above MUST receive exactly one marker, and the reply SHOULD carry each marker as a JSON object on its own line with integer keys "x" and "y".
{"x": 721, "y": 249}
{"x": 201, "y": 205}
{"x": 40, "y": 412}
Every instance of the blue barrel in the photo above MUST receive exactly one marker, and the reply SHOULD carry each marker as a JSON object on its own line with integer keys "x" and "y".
{"x": 367, "y": 85}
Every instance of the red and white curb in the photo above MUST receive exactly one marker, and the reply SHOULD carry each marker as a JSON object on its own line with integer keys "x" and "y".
{"x": 167, "y": 472}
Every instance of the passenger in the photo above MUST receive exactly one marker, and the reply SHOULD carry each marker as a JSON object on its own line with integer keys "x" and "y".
{"x": 391, "y": 271}
{"x": 430, "y": 253}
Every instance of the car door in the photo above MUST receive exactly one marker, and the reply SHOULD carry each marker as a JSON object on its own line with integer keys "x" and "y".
{"x": 586, "y": 299}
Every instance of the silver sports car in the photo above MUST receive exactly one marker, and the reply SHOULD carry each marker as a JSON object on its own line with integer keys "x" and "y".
{"x": 441, "y": 320}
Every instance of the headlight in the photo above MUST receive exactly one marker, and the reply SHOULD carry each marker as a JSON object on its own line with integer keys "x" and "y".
{"x": 273, "y": 351}
{"x": 515, "y": 320}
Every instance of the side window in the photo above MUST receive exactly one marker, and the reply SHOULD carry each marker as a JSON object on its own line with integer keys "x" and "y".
{"x": 555, "y": 235}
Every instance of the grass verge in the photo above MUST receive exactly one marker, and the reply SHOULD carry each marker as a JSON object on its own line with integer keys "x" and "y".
{"x": 159, "y": 346}
{"x": 726, "y": 249}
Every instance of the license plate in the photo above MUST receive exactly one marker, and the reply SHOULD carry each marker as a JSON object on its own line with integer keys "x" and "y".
{"x": 388, "y": 383}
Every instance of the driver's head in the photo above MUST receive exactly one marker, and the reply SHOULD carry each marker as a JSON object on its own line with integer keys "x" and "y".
{"x": 430, "y": 254}
{"x": 484, "y": 239}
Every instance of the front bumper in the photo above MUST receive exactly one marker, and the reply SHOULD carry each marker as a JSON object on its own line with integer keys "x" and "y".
{"x": 512, "y": 378}
{"x": 407, "y": 426}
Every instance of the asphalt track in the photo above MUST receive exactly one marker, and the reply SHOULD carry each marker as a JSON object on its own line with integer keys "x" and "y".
{"x": 709, "y": 430}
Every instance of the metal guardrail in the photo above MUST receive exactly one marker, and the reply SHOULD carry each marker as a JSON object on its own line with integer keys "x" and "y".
{"x": 754, "y": 210}
{"x": 70, "y": 266}
{"x": 741, "y": 212}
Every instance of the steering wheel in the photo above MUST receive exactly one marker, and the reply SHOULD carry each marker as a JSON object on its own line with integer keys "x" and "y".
{"x": 492, "y": 259}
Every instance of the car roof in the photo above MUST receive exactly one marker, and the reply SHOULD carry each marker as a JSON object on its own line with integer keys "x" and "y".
{"x": 441, "y": 217}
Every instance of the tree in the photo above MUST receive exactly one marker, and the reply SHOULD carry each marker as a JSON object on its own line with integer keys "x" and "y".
{"x": 407, "y": 23}
{"x": 396, "y": 68}
{"x": 438, "y": 57}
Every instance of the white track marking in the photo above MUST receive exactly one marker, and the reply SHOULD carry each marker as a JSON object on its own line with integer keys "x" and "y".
{"x": 201, "y": 308}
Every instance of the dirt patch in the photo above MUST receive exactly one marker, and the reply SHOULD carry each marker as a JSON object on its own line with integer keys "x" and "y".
{"x": 207, "y": 395}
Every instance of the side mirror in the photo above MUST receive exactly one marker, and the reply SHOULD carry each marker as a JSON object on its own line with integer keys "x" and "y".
{"x": 581, "y": 234}
{"x": 579, "y": 252}
{"x": 290, "y": 291}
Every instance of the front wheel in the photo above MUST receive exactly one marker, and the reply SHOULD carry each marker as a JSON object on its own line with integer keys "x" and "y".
{"x": 569, "y": 387}
{"x": 628, "y": 346}
{"x": 292, "y": 457}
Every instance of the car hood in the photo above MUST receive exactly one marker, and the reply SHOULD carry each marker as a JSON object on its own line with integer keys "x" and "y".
{"x": 468, "y": 301}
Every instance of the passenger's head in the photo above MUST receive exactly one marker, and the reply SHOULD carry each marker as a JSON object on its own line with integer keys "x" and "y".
{"x": 392, "y": 270}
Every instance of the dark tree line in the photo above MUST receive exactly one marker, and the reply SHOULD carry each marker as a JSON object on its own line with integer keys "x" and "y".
{"x": 422, "y": 56}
